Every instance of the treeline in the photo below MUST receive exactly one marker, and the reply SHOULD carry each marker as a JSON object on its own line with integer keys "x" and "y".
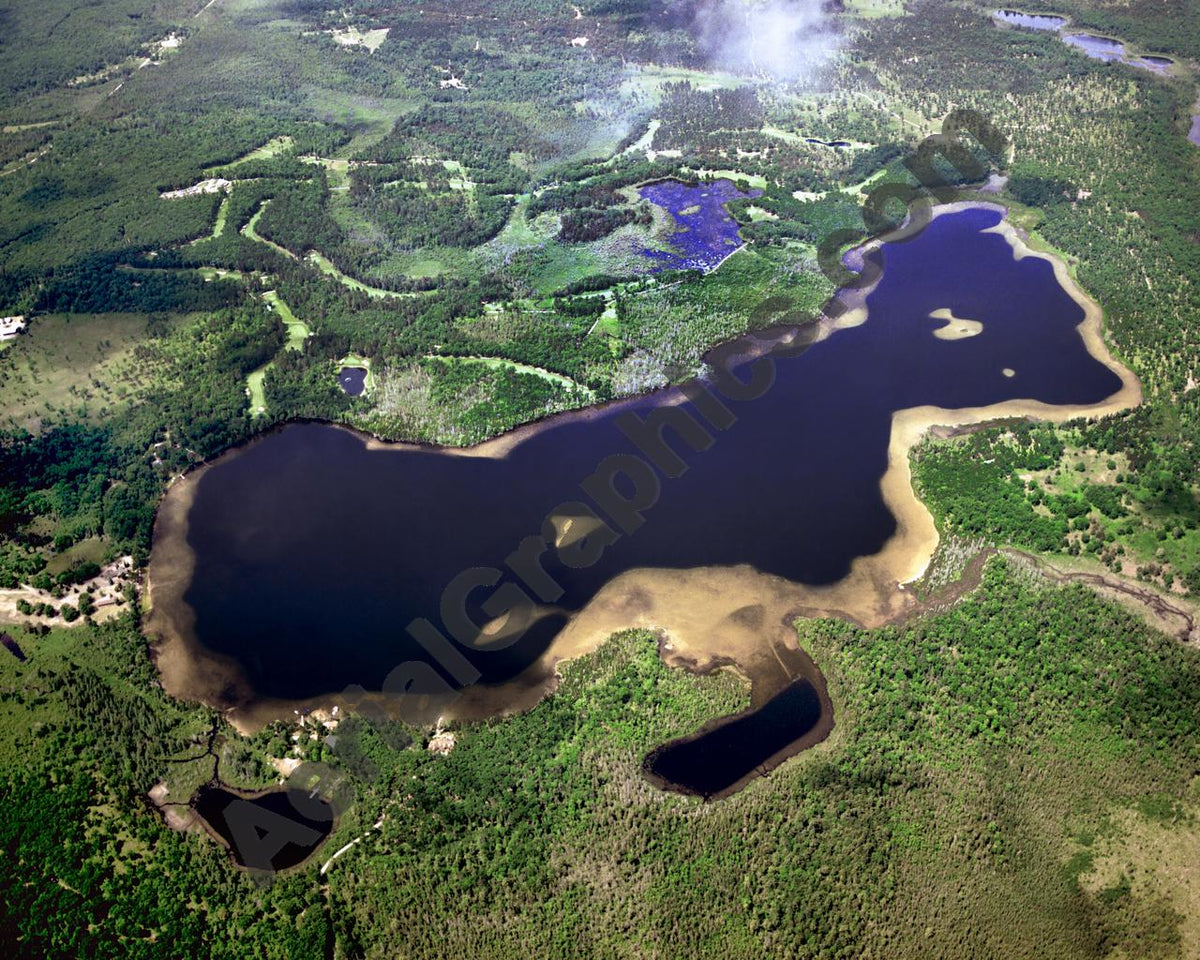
{"x": 97, "y": 284}
{"x": 89, "y": 868}
{"x": 106, "y": 480}
{"x": 693, "y": 119}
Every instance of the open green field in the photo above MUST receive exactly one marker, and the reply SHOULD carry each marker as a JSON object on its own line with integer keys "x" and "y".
{"x": 272, "y": 148}
{"x": 874, "y": 9}
{"x": 756, "y": 180}
{"x": 82, "y": 366}
{"x": 297, "y": 330}
{"x": 648, "y": 80}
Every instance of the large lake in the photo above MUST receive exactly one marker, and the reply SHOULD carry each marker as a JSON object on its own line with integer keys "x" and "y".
{"x": 314, "y": 549}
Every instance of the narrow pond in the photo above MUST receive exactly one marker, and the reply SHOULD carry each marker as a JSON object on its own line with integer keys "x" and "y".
{"x": 310, "y": 550}
{"x": 719, "y": 759}
{"x": 1106, "y": 49}
{"x": 1031, "y": 21}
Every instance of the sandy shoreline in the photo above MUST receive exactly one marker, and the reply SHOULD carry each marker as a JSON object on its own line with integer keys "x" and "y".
{"x": 707, "y": 615}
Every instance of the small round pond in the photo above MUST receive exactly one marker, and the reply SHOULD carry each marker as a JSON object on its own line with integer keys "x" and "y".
{"x": 353, "y": 380}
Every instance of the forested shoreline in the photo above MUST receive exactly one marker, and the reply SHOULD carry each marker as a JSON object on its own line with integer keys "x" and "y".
{"x": 457, "y": 205}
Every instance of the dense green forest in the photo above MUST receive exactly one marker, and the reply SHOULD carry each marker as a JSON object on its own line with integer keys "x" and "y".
{"x": 205, "y": 208}
{"x": 988, "y": 765}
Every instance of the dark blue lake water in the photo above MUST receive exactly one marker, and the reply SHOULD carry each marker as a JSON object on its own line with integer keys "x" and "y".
{"x": 269, "y": 832}
{"x": 313, "y": 550}
{"x": 705, "y": 233}
{"x": 353, "y": 380}
{"x": 708, "y": 764}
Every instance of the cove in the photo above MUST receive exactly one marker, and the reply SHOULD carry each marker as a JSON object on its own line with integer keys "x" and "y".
{"x": 289, "y": 569}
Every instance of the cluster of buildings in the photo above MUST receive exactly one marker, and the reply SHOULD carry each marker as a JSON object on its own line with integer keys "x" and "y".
{"x": 11, "y": 327}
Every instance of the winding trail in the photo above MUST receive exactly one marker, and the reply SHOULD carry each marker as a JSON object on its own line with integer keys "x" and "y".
{"x": 1163, "y": 610}
{"x": 1167, "y": 616}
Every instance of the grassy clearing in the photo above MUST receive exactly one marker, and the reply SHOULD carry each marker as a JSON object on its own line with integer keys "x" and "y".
{"x": 645, "y": 141}
{"x": 373, "y": 116}
{"x": 353, "y": 37}
{"x": 758, "y": 213}
{"x": 272, "y": 148}
{"x": 297, "y": 332}
{"x": 498, "y": 363}
{"x": 785, "y": 135}
{"x": 647, "y": 81}
{"x": 327, "y": 267}
{"x": 860, "y": 189}
{"x": 427, "y": 262}
{"x": 81, "y": 364}
{"x": 89, "y": 550}
{"x": 607, "y": 324}
{"x": 875, "y": 9}
{"x": 337, "y": 172}
{"x": 222, "y": 216}
{"x": 519, "y": 231}
{"x": 757, "y": 181}
{"x": 250, "y": 232}
{"x": 254, "y": 389}
{"x": 556, "y": 265}
{"x": 23, "y": 127}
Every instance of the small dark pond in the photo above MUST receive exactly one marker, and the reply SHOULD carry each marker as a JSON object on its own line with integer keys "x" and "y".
{"x": 705, "y": 233}
{"x": 839, "y": 144}
{"x": 1031, "y": 21}
{"x": 736, "y": 749}
{"x": 1160, "y": 65}
{"x": 353, "y": 380}
{"x": 273, "y": 831}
